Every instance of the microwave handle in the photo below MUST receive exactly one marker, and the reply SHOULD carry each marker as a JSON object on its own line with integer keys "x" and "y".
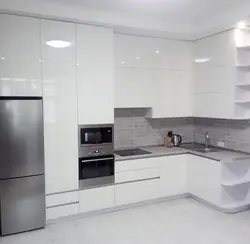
{"x": 92, "y": 160}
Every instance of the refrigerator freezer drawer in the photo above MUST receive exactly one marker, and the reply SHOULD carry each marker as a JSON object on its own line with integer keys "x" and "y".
{"x": 22, "y": 203}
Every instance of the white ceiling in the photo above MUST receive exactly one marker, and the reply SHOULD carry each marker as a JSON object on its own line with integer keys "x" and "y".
{"x": 184, "y": 19}
{"x": 194, "y": 12}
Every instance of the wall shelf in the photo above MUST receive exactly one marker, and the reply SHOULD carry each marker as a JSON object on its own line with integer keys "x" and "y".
{"x": 243, "y": 102}
{"x": 243, "y": 85}
{"x": 236, "y": 182}
{"x": 247, "y": 48}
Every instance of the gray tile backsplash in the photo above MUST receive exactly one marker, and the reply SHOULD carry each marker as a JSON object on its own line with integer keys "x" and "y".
{"x": 133, "y": 129}
{"x": 234, "y": 133}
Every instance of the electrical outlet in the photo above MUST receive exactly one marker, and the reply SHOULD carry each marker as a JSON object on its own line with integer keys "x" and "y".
{"x": 221, "y": 144}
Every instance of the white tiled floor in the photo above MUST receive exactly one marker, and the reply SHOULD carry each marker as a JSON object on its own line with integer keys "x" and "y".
{"x": 181, "y": 221}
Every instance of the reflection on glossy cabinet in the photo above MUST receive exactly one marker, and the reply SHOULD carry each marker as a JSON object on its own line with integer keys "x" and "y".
{"x": 62, "y": 34}
{"x": 20, "y": 56}
{"x": 60, "y": 126}
{"x": 95, "y": 75}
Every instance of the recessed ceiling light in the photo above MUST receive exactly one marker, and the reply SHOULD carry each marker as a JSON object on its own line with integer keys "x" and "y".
{"x": 202, "y": 60}
{"x": 157, "y": 51}
{"x": 2, "y": 58}
{"x": 58, "y": 43}
{"x": 123, "y": 62}
{"x": 241, "y": 25}
{"x": 137, "y": 58}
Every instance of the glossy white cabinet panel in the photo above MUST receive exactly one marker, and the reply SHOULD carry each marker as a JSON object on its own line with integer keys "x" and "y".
{"x": 220, "y": 49}
{"x": 213, "y": 105}
{"x": 137, "y": 192}
{"x": 96, "y": 199}
{"x": 135, "y": 175}
{"x": 137, "y": 164}
{"x": 133, "y": 88}
{"x": 60, "y": 126}
{"x": 95, "y": 75}
{"x": 20, "y": 56}
{"x": 62, "y": 211}
{"x": 173, "y": 173}
{"x": 63, "y": 198}
{"x": 152, "y": 53}
{"x": 62, "y": 32}
{"x": 214, "y": 79}
{"x": 204, "y": 178}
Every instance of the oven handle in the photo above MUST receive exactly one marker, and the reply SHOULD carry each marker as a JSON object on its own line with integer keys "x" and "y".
{"x": 92, "y": 160}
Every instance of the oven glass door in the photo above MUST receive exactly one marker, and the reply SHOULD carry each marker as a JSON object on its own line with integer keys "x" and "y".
{"x": 95, "y": 167}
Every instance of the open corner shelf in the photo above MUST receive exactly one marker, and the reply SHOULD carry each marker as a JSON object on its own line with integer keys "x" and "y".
{"x": 236, "y": 182}
{"x": 247, "y": 48}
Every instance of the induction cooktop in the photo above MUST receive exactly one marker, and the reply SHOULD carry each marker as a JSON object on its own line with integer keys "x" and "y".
{"x": 131, "y": 152}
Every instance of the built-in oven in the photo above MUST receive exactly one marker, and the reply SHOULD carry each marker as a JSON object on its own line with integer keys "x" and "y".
{"x": 96, "y": 155}
{"x": 96, "y": 171}
{"x": 91, "y": 135}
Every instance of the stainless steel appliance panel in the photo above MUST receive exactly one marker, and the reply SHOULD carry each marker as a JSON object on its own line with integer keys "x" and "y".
{"x": 22, "y": 204}
{"x": 21, "y": 137}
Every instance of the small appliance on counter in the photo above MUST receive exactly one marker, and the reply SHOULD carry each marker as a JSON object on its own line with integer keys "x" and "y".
{"x": 96, "y": 155}
{"x": 172, "y": 140}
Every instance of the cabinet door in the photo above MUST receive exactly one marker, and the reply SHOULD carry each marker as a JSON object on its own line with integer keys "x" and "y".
{"x": 162, "y": 94}
{"x": 173, "y": 175}
{"x": 20, "y": 56}
{"x": 96, "y": 199}
{"x": 60, "y": 126}
{"x": 136, "y": 192}
{"x": 95, "y": 75}
{"x": 204, "y": 178}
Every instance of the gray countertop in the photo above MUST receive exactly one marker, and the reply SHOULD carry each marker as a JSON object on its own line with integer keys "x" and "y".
{"x": 160, "y": 151}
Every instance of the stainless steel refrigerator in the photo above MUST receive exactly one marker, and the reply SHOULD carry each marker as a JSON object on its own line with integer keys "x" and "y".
{"x": 22, "y": 183}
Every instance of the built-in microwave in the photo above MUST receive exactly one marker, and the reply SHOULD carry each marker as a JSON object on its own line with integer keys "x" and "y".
{"x": 92, "y": 135}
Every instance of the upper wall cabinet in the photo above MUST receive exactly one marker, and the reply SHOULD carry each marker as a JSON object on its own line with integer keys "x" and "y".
{"x": 20, "y": 56}
{"x": 153, "y": 72}
{"x": 95, "y": 73}
{"x": 58, "y": 41}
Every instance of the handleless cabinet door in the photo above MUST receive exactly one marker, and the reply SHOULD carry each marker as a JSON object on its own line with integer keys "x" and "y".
{"x": 20, "y": 56}
{"x": 95, "y": 74}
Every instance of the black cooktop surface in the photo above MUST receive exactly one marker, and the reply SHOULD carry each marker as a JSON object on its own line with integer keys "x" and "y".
{"x": 131, "y": 152}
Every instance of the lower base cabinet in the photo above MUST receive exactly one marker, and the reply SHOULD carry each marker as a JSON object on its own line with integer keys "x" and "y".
{"x": 96, "y": 199}
{"x": 62, "y": 211}
{"x": 134, "y": 192}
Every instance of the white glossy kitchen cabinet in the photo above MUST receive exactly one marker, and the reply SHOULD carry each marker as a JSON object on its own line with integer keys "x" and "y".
{"x": 127, "y": 193}
{"x": 95, "y": 74}
{"x": 204, "y": 179}
{"x": 96, "y": 199}
{"x": 58, "y": 31}
{"x": 173, "y": 173}
{"x": 60, "y": 126}
{"x": 20, "y": 56}
{"x": 133, "y": 88}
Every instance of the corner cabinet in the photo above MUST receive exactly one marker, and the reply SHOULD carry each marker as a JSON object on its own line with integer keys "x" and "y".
{"x": 95, "y": 75}
{"x": 20, "y": 56}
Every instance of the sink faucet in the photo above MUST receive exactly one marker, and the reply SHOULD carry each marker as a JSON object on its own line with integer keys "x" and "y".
{"x": 206, "y": 140}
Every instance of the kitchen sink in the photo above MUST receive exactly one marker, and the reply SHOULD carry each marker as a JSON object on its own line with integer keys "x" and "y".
{"x": 200, "y": 148}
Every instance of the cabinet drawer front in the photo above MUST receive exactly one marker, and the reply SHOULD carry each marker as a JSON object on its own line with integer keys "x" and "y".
{"x": 129, "y": 165}
{"x": 135, "y": 175}
{"x": 136, "y": 192}
{"x": 96, "y": 199}
{"x": 62, "y": 211}
{"x": 63, "y": 198}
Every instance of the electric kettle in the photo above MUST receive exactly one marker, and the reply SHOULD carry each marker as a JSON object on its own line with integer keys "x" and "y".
{"x": 177, "y": 140}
